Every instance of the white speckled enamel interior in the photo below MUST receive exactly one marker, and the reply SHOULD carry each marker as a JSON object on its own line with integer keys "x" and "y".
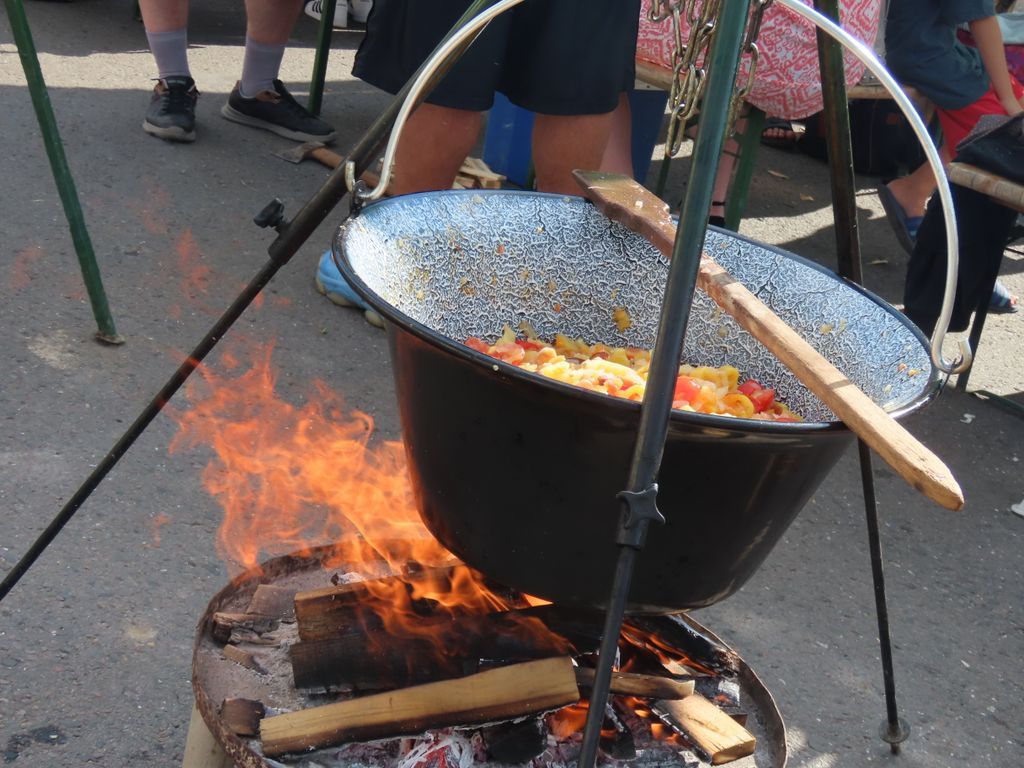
{"x": 465, "y": 263}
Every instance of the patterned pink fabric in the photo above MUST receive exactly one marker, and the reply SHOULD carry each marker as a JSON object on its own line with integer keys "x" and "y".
{"x": 787, "y": 78}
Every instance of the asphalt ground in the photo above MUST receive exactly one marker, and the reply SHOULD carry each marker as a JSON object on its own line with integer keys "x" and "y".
{"x": 95, "y": 642}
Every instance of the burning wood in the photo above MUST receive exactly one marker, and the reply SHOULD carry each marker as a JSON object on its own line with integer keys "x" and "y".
{"x": 370, "y": 663}
{"x": 644, "y": 686}
{"x": 350, "y": 639}
{"x": 352, "y": 484}
{"x": 453, "y": 647}
{"x": 678, "y": 635}
{"x": 498, "y": 694}
{"x": 349, "y": 608}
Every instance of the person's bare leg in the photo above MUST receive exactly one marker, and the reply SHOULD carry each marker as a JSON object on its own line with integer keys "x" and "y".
{"x": 913, "y": 191}
{"x": 164, "y": 15}
{"x": 433, "y": 145}
{"x": 726, "y": 166}
{"x": 271, "y": 21}
{"x": 618, "y": 154}
{"x": 561, "y": 144}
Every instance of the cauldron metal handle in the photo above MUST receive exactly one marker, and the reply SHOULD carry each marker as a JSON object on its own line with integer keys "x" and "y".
{"x": 855, "y": 46}
{"x": 441, "y": 56}
{"x": 868, "y": 58}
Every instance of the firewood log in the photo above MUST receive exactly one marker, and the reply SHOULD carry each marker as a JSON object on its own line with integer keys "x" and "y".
{"x": 644, "y": 686}
{"x": 498, "y": 694}
{"x": 710, "y": 729}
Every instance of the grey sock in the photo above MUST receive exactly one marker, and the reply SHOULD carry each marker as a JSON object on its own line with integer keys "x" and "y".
{"x": 170, "y": 50}
{"x": 260, "y": 68}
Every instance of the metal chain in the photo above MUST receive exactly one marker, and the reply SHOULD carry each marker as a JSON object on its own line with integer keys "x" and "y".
{"x": 749, "y": 48}
{"x": 688, "y": 56}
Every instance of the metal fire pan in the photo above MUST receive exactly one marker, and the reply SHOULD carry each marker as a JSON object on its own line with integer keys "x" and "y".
{"x": 214, "y": 678}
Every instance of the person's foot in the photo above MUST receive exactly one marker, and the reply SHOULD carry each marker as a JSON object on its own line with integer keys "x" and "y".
{"x": 781, "y": 134}
{"x": 172, "y": 109}
{"x": 315, "y": 8}
{"x": 330, "y": 282}
{"x": 277, "y": 111}
{"x": 1002, "y": 302}
{"x": 716, "y": 216}
{"x": 904, "y": 226}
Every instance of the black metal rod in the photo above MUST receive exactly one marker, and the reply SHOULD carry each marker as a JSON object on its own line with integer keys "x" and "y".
{"x": 290, "y": 239}
{"x": 849, "y": 262}
{"x": 895, "y": 731}
{"x": 675, "y": 311}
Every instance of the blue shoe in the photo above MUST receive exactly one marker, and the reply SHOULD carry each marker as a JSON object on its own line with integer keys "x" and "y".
{"x": 332, "y": 285}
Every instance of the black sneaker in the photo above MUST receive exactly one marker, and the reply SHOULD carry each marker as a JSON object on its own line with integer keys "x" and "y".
{"x": 172, "y": 109}
{"x": 278, "y": 112}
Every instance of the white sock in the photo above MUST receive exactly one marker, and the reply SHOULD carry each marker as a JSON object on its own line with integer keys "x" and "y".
{"x": 170, "y": 51}
{"x": 260, "y": 67}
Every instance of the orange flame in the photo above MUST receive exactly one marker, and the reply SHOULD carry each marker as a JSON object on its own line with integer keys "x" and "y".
{"x": 294, "y": 477}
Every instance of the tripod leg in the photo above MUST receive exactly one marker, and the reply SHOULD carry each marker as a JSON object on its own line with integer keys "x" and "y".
{"x": 894, "y": 731}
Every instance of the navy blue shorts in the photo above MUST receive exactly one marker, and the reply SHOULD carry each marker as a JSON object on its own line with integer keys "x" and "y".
{"x": 553, "y": 57}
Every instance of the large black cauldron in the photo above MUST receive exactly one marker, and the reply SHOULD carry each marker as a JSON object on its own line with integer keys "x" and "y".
{"x": 517, "y": 474}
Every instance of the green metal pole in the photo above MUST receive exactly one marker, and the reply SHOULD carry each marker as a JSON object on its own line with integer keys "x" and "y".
{"x": 61, "y": 173}
{"x": 723, "y": 61}
{"x": 323, "y": 50}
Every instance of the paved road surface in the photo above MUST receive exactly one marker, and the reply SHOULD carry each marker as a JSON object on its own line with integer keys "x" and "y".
{"x": 95, "y": 642}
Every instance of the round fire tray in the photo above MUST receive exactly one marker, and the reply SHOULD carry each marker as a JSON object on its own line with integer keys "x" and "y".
{"x": 214, "y": 678}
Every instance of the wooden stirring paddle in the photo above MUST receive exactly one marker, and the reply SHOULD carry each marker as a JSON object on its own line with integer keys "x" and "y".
{"x": 622, "y": 199}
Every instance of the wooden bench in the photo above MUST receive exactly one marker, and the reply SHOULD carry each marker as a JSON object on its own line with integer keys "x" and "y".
{"x": 1003, "y": 191}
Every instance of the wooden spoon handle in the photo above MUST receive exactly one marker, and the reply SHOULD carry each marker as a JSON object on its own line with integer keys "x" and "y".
{"x": 624, "y": 200}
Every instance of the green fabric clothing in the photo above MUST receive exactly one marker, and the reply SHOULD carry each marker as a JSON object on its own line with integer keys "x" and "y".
{"x": 922, "y": 50}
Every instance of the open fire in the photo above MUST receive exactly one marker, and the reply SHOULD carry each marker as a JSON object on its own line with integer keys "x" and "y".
{"x": 391, "y": 652}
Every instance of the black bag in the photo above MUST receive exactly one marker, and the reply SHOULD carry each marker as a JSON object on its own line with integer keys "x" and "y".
{"x": 996, "y": 145}
{"x": 883, "y": 142}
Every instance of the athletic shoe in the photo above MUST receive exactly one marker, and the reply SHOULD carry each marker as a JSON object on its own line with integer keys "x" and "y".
{"x": 172, "y": 109}
{"x": 277, "y": 111}
{"x": 314, "y": 9}
{"x": 330, "y": 282}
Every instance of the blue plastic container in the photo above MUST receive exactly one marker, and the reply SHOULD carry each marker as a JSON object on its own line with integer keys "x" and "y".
{"x": 507, "y": 140}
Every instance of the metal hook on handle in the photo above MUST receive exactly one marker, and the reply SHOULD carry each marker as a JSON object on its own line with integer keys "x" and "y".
{"x": 473, "y": 27}
{"x": 868, "y": 58}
